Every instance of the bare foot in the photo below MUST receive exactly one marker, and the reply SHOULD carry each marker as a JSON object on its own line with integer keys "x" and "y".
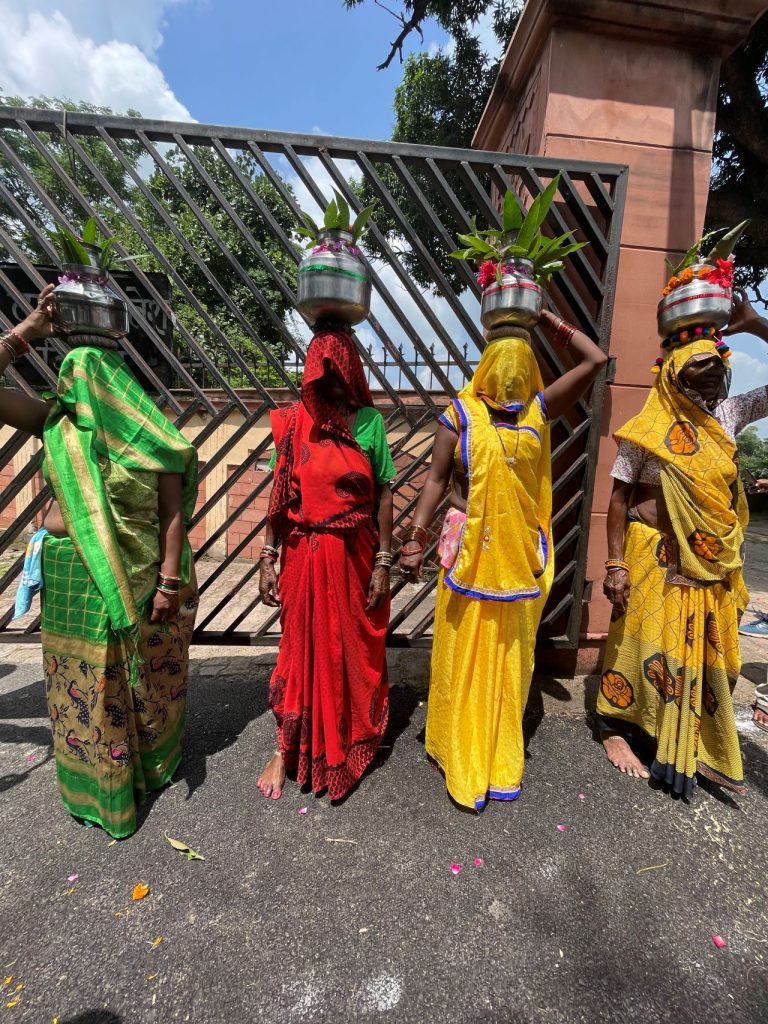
{"x": 620, "y": 755}
{"x": 272, "y": 779}
{"x": 760, "y": 718}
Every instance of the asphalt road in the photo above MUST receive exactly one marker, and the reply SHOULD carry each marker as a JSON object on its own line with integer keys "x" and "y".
{"x": 352, "y": 913}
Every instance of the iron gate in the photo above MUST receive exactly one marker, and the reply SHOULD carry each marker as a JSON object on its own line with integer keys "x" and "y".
{"x": 215, "y": 339}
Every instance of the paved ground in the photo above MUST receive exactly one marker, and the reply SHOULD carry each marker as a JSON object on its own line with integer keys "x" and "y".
{"x": 352, "y": 913}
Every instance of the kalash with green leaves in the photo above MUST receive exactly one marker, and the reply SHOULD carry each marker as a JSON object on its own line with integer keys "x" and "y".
{"x": 517, "y": 260}
{"x": 89, "y": 310}
{"x": 334, "y": 279}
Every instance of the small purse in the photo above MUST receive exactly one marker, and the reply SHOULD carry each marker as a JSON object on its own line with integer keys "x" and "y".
{"x": 450, "y": 537}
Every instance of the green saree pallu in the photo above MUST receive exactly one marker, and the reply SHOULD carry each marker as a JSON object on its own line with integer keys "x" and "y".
{"x": 115, "y": 683}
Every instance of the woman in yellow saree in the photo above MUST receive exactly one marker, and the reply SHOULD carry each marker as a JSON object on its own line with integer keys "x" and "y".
{"x": 675, "y": 542}
{"x": 492, "y": 449}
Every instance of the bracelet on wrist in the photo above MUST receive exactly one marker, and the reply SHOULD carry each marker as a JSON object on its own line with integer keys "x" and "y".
{"x": 14, "y": 345}
{"x": 416, "y": 533}
{"x": 616, "y": 565}
{"x": 563, "y": 333}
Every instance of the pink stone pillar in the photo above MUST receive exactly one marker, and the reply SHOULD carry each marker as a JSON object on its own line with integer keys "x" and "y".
{"x": 625, "y": 82}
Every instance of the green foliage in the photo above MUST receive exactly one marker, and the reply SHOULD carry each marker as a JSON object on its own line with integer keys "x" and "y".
{"x": 336, "y": 218}
{"x": 438, "y": 102}
{"x": 72, "y": 250}
{"x": 753, "y": 451}
{"x": 212, "y": 262}
{"x": 720, "y": 251}
{"x": 522, "y": 237}
{"x": 215, "y": 264}
{"x": 441, "y": 98}
{"x": 740, "y": 166}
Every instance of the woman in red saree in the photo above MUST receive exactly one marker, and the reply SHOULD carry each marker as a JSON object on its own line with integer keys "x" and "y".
{"x": 331, "y": 510}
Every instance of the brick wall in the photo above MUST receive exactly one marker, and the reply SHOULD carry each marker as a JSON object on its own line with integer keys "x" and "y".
{"x": 8, "y": 514}
{"x": 197, "y": 533}
{"x": 249, "y": 516}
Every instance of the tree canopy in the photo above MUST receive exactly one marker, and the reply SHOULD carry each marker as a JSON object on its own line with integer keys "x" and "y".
{"x": 237, "y": 327}
{"x": 753, "y": 452}
{"x": 442, "y": 96}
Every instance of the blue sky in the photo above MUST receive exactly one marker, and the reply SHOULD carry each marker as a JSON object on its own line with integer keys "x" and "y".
{"x": 274, "y": 65}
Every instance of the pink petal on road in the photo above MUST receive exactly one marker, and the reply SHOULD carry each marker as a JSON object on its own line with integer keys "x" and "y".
{"x": 720, "y": 943}
{"x": 303, "y": 810}
{"x": 562, "y": 828}
{"x": 73, "y": 878}
{"x": 582, "y": 797}
{"x": 456, "y": 869}
{"x": 31, "y": 758}
{"x": 478, "y": 862}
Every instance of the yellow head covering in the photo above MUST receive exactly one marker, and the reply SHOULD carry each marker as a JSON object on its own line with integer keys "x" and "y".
{"x": 703, "y": 494}
{"x": 507, "y": 376}
{"x": 505, "y": 551}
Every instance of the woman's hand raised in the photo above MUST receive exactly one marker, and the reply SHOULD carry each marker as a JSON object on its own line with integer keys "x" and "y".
{"x": 44, "y": 320}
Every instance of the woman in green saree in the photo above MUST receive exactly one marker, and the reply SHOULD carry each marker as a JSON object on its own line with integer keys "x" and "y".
{"x": 118, "y": 591}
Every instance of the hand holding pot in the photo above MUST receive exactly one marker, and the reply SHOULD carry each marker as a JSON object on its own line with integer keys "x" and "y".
{"x": 43, "y": 321}
{"x": 743, "y": 317}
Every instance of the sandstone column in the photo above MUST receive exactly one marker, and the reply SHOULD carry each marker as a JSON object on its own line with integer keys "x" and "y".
{"x": 626, "y": 82}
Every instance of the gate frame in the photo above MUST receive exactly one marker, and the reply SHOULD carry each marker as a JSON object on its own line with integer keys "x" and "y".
{"x": 327, "y": 148}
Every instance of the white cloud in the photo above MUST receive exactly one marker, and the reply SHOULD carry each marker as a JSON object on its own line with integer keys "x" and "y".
{"x": 748, "y": 372}
{"x": 83, "y": 50}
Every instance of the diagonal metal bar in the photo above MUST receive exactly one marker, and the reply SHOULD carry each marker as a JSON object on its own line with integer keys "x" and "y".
{"x": 57, "y": 214}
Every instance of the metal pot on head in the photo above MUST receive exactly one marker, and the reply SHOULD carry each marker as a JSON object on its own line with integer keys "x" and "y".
{"x": 694, "y": 303}
{"x": 516, "y": 300}
{"x": 88, "y": 308}
{"x": 334, "y": 283}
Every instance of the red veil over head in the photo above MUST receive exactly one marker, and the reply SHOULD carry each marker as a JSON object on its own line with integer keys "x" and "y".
{"x": 328, "y": 350}
{"x": 333, "y": 350}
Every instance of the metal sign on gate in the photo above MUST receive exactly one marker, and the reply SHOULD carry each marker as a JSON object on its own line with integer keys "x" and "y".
{"x": 211, "y": 209}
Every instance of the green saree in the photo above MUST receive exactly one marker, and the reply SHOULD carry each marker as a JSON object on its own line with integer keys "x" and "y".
{"x": 115, "y": 683}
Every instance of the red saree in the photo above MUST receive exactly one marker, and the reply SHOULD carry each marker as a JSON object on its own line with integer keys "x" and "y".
{"x": 329, "y": 690}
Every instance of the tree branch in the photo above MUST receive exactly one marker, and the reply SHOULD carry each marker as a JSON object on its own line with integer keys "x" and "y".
{"x": 413, "y": 24}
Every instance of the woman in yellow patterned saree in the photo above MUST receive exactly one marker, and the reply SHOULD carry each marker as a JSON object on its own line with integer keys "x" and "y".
{"x": 492, "y": 449}
{"x": 674, "y": 574}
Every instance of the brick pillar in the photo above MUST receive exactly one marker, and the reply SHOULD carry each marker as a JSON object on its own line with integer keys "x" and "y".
{"x": 625, "y": 82}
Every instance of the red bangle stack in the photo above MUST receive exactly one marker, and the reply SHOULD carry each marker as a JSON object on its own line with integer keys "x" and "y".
{"x": 563, "y": 333}
{"x": 14, "y": 345}
{"x": 168, "y": 584}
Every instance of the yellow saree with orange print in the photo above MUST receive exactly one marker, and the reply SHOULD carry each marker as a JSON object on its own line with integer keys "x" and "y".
{"x": 673, "y": 657}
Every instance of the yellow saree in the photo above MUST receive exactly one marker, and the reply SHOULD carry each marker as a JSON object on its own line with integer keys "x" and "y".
{"x": 673, "y": 657}
{"x": 489, "y": 601}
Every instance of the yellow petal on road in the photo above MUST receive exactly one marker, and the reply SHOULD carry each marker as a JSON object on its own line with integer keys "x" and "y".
{"x": 140, "y": 890}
